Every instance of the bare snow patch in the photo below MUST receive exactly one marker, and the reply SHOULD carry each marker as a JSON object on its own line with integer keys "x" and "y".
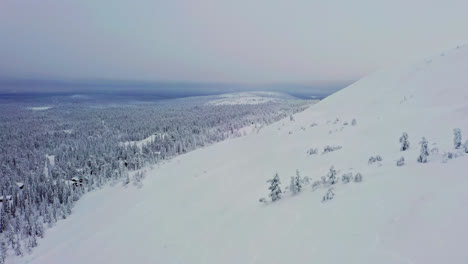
{"x": 141, "y": 143}
{"x": 248, "y": 98}
{"x": 40, "y": 108}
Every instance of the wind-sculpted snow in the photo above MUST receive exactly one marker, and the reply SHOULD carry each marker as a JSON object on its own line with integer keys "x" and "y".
{"x": 202, "y": 207}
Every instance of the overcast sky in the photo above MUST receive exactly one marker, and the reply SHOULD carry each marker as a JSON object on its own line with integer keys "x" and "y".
{"x": 250, "y": 41}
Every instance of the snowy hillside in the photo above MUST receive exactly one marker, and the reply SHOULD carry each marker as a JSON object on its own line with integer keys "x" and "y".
{"x": 202, "y": 207}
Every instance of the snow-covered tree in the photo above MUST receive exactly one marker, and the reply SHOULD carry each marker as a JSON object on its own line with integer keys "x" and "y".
{"x": 404, "y": 142}
{"x": 457, "y": 138}
{"x": 18, "y": 248}
{"x": 312, "y": 151}
{"x": 126, "y": 179}
{"x": 400, "y": 162}
{"x": 275, "y": 189}
{"x": 315, "y": 185}
{"x": 354, "y": 122}
{"x": 465, "y": 146}
{"x": 331, "y": 176}
{"x": 424, "y": 153}
{"x": 328, "y": 195}
{"x": 358, "y": 177}
{"x": 296, "y": 183}
{"x": 3, "y": 252}
{"x": 347, "y": 177}
{"x": 373, "y": 159}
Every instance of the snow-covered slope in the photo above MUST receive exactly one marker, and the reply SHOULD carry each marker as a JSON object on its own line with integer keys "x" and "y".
{"x": 202, "y": 207}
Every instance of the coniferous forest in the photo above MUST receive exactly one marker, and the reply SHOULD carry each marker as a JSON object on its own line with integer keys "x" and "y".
{"x": 51, "y": 156}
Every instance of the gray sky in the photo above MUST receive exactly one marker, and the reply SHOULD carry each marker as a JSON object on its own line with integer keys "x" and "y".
{"x": 257, "y": 41}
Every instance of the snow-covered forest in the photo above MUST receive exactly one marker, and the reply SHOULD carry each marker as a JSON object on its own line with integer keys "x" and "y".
{"x": 375, "y": 173}
{"x": 51, "y": 156}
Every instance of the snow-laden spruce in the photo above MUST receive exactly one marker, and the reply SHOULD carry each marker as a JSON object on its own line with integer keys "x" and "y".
{"x": 457, "y": 138}
{"x": 328, "y": 195}
{"x": 296, "y": 183}
{"x": 424, "y": 152}
{"x": 400, "y": 162}
{"x": 331, "y": 176}
{"x": 404, "y": 142}
{"x": 275, "y": 188}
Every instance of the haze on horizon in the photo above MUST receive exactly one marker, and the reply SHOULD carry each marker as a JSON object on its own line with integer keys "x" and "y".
{"x": 221, "y": 41}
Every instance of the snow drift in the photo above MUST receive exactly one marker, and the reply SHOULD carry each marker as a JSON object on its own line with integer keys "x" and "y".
{"x": 202, "y": 207}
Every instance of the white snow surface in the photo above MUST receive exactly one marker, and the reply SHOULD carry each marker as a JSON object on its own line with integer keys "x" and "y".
{"x": 51, "y": 159}
{"x": 141, "y": 143}
{"x": 202, "y": 207}
{"x": 248, "y": 98}
{"x": 40, "y": 108}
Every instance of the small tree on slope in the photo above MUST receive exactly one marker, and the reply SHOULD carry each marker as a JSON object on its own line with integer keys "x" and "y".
{"x": 296, "y": 183}
{"x": 331, "y": 176}
{"x": 457, "y": 138}
{"x": 424, "y": 151}
{"x": 275, "y": 189}
{"x": 404, "y": 142}
{"x": 329, "y": 195}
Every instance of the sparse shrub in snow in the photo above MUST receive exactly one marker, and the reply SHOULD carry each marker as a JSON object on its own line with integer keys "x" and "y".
{"x": 457, "y": 138}
{"x": 313, "y": 124}
{"x": 312, "y": 151}
{"x": 315, "y": 185}
{"x": 466, "y": 146}
{"x": 354, "y": 122}
{"x": 290, "y": 132}
{"x": 291, "y": 118}
{"x": 275, "y": 189}
{"x": 434, "y": 150}
{"x": 306, "y": 180}
{"x": 329, "y": 195}
{"x": 404, "y": 142}
{"x": 400, "y": 162}
{"x": 358, "y": 177}
{"x": 303, "y": 128}
{"x": 262, "y": 200}
{"x": 331, "y": 176}
{"x": 347, "y": 177}
{"x": 372, "y": 159}
{"x": 424, "y": 153}
{"x": 345, "y": 123}
{"x": 450, "y": 155}
{"x": 327, "y": 148}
